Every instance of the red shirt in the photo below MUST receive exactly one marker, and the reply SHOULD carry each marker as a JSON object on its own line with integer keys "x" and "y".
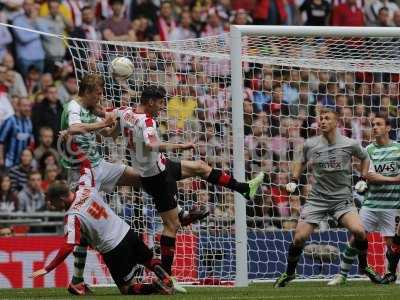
{"x": 279, "y": 195}
{"x": 346, "y": 15}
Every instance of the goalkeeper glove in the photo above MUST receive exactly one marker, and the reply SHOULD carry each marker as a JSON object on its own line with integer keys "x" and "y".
{"x": 291, "y": 187}
{"x": 361, "y": 186}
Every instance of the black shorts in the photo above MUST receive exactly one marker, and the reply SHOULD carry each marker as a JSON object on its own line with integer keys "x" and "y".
{"x": 121, "y": 260}
{"x": 162, "y": 187}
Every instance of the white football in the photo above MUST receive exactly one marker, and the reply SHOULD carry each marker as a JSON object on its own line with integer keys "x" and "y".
{"x": 121, "y": 67}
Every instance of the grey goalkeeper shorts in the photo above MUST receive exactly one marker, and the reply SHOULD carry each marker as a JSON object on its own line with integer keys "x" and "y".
{"x": 314, "y": 212}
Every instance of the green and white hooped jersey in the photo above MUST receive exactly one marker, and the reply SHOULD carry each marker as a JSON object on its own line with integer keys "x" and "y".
{"x": 75, "y": 113}
{"x": 384, "y": 160}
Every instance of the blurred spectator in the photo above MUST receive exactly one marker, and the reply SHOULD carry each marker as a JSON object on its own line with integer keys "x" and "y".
{"x": 197, "y": 22}
{"x": 12, "y": 8}
{"x": 317, "y": 12}
{"x": 372, "y": 10}
{"x": 166, "y": 22}
{"x": 214, "y": 25}
{"x": 32, "y": 80}
{"x": 181, "y": 107}
{"x": 270, "y": 12}
{"x": 146, "y": 9}
{"x": 89, "y": 30}
{"x": 383, "y": 19}
{"x": 5, "y": 36}
{"x": 62, "y": 9}
{"x": 19, "y": 174}
{"x": 117, "y": 27}
{"x": 6, "y": 109}
{"x": 49, "y": 158}
{"x": 144, "y": 30}
{"x": 76, "y": 8}
{"x": 46, "y": 139}
{"x": 184, "y": 30}
{"x": 47, "y": 113}
{"x": 16, "y": 83}
{"x": 396, "y": 18}
{"x": 31, "y": 198}
{"x": 50, "y": 175}
{"x": 68, "y": 89}
{"x": 240, "y": 17}
{"x": 16, "y": 134}
{"x": 28, "y": 44}
{"x": 348, "y": 14}
{"x": 54, "y": 23}
{"x": 8, "y": 199}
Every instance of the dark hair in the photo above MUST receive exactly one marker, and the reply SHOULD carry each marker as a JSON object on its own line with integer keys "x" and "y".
{"x": 383, "y": 8}
{"x": 383, "y": 115}
{"x": 89, "y": 83}
{"x": 56, "y": 190}
{"x": 152, "y": 92}
{"x": 112, "y": 2}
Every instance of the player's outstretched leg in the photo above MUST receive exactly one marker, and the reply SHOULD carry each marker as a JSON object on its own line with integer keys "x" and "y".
{"x": 303, "y": 231}
{"x": 200, "y": 168}
{"x": 358, "y": 247}
{"x": 77, "y": 285}
{"x": 393, "y": 257}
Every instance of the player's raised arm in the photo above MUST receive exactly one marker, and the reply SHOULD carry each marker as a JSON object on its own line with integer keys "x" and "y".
{"x": 61, "y": 198}
{"x": 153, "y": 142}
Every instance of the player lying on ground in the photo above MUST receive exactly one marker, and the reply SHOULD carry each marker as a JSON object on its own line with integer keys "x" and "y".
{"x": 159, "y": 175}
{"x": 89, "y": 218}
{"x": 382, "y": 200}
{"x": 80, "y": 120}
{"x": 330, "y": 157}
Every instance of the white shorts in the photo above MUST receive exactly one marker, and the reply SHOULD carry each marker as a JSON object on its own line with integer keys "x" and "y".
{"x": 383, "y": 221}
{"x": 106, "y": 176}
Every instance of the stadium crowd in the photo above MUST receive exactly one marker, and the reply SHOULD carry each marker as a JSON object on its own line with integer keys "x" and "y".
{"x": 37, "y": 78}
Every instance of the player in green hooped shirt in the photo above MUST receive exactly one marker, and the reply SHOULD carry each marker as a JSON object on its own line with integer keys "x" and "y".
{"x": 80, "y": 125}
{"x": 382, "y": 200}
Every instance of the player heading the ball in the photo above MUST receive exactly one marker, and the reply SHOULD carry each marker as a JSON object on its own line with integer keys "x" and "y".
{"x": 159, "y": 175}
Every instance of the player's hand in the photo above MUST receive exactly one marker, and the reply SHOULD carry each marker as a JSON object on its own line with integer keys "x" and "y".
{"x": 187, "y": 146}
{"x": 110, "y": 119}
{"x": 291, "y": 187}
{"x": 63, "y": 134}
{"x": 38, "y": 273}
{"x": 361, "y": 186}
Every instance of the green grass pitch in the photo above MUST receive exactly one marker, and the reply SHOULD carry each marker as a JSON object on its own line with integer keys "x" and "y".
{"x": 298, "y": 290}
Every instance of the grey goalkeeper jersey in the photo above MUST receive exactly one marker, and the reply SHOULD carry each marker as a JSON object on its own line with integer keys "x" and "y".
{"x": 331, "y": 167}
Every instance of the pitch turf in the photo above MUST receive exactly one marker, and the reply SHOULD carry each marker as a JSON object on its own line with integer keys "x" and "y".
{"x": 315, "y": 290}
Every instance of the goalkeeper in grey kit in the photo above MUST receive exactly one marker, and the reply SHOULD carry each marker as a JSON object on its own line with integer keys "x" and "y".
{"x": 330, "y": 157}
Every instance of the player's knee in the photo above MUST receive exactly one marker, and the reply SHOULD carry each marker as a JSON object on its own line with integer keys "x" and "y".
{"x": 299, "y": 240}
{"x": 172, "y": 225}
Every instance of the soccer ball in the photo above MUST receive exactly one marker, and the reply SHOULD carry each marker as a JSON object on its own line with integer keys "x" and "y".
{"x": 121, "y": 67}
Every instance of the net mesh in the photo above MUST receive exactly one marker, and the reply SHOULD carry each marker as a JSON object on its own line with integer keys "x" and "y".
{"x": 287, "y": 80}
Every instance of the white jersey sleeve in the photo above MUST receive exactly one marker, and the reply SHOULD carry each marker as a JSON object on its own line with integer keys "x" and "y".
{"x": 72, "y": 230}
{"x": 149, "y": 128}
{"x": 74, "y": 113}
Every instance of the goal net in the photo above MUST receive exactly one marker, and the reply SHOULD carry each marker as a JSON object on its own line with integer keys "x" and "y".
{"x": 286, "y": 80}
